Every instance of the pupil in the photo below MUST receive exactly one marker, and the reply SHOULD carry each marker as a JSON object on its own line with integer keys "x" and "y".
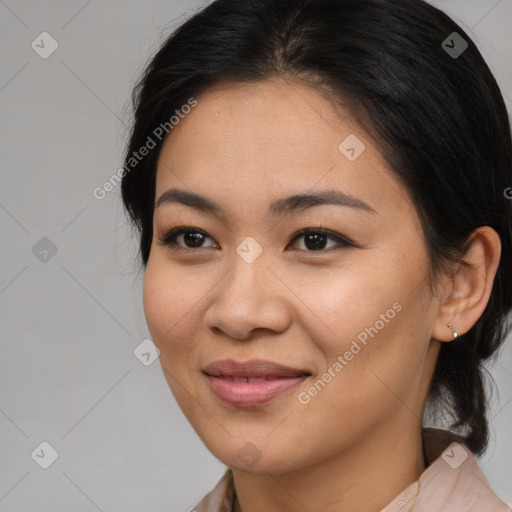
{"x": 317, "y": 238}
{"x": 194, "y": 239}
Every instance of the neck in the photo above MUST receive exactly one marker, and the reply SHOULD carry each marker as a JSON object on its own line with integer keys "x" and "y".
{"x": 378, "y": 466}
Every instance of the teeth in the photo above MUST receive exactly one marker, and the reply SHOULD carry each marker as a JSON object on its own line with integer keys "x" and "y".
{"x": 248, "y": 379}
{"x": 251, "y": 379}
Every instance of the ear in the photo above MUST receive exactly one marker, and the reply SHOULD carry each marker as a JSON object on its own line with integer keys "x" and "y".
{"x": 466, "y": 292}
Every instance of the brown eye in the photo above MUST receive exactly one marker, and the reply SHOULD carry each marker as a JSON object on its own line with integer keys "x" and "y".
{"x": 192, "y": 238}
{"x": 316, "y": 239}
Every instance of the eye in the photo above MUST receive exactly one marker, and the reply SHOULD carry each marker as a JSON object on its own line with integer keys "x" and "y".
{"x": 315, "y": 239}
{"x": 193, "y": 238}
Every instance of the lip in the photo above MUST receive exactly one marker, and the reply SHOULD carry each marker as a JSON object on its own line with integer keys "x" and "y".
{"x": 232, "y": 382}
{"x": 254, "y": 368}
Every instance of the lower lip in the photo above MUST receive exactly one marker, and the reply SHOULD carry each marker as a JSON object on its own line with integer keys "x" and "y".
{"x": 250, "y": 394}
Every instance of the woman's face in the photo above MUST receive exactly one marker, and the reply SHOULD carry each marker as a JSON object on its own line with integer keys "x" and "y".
{"x": 347, "y": 316}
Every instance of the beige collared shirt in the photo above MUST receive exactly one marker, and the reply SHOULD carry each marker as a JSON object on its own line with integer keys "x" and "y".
{"x": 452, "y": 482}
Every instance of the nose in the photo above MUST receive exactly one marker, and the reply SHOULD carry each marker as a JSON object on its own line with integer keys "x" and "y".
{"x": 249, "y": 298}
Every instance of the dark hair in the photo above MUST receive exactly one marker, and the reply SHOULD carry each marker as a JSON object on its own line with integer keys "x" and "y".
{"x": 438, "y": 118}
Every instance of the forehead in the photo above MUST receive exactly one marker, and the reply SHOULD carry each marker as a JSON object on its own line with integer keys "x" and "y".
{"x": 263, "y": 122}
{"x": 271, "y": 139}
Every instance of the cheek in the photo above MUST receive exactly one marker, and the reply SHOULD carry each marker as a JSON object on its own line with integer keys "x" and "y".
{"x": 170, "y": 300}
{"x": 344, "y": 304}
{"x": 157, "y": 302}
{"x": 166, "y": 305}
{"x": 377, "y": 324}
{"x": 381, "y": 357}
{"x": 168, "y": 308}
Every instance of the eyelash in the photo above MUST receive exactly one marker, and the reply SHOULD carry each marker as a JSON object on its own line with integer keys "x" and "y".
{"x": 168, "y": 239}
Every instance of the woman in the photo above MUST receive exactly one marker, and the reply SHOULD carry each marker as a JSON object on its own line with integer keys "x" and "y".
{"x": 320, "y": 192}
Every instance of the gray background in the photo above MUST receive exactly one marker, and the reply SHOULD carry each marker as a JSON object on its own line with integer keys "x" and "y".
{"x": 70, "y": 324}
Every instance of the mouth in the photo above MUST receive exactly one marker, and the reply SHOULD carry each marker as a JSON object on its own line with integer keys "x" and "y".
{"x": 251, "y": 383}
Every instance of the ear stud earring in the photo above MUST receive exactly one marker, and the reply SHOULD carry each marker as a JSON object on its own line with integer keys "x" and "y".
{"x": 454, "y": 334}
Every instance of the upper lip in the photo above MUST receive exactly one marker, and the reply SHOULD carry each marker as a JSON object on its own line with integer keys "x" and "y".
{"x": 250, "y": 369}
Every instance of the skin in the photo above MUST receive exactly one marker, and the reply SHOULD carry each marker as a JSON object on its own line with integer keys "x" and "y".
{"x": 243, "y": 146}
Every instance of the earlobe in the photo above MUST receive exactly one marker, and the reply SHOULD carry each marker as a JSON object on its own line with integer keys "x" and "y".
{"x": 470, "y": 286}
{"x": 455, "y": 334}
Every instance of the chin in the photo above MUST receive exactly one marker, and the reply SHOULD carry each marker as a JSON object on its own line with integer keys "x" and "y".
{"x": 263, "y": 457}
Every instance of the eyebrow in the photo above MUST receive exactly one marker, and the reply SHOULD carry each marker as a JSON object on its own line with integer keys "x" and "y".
{"x": 291, "y": 204}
